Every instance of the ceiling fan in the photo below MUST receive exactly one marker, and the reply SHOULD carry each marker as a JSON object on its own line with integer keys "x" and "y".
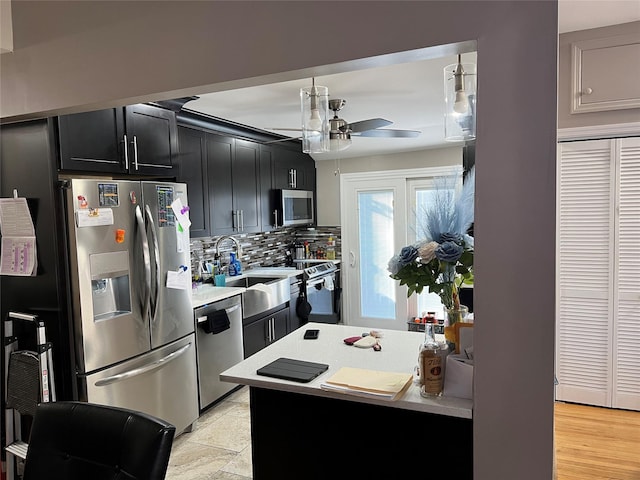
{"x": 340, "y": 131}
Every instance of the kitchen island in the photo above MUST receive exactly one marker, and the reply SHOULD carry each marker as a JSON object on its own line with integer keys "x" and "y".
{"x": 302, "y": 431}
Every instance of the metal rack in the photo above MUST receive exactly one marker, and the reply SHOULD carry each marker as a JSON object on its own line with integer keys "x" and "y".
{"x": 28, "y": 380}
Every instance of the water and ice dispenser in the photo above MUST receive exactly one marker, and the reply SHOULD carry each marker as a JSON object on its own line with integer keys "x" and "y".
{"x": 110, "y": 285}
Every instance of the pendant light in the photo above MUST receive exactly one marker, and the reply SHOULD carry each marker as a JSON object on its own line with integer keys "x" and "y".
{"x": 314, "y": 103}
{"x": 460, "y": 101}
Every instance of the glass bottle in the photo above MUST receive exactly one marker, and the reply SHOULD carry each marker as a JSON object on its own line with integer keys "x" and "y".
{"x": 331, "y": 249}
{"x": 430, "y": 364}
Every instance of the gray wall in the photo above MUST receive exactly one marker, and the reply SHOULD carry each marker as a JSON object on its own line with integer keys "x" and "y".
{"x": 565, "y": 118}
{"x": 328, "y": 173}
{"x": 72, "y": 56}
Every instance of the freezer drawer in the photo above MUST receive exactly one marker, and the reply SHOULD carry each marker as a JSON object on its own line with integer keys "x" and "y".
{"x": 162, "y": 383}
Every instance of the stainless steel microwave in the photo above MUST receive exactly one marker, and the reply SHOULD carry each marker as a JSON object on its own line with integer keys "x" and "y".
{"x": 296, "y": 207}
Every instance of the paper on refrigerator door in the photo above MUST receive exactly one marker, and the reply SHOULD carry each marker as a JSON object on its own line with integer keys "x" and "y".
{"x": 18, "y": 254}
{"x": 179, "y": 280}
{"x": 181, "y": 213}
{"x": 183, "y": 223}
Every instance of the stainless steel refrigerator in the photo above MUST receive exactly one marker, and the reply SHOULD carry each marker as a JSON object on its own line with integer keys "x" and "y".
{"x": 131, "y": 295}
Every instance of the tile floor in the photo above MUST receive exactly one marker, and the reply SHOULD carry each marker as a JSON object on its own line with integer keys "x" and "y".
{"x": 219, "y": 447}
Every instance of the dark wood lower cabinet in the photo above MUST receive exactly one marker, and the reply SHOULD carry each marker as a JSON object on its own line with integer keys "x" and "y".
{"x": 264, "y": 331}
{"x": 296, "y": 436}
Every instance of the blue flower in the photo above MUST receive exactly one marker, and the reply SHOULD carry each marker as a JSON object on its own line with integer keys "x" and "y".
{"x": 451, "y": 237}
{"x": 394, "y": 265}
{"x": 408, "y": 255}
{"x": 449, "y": 252}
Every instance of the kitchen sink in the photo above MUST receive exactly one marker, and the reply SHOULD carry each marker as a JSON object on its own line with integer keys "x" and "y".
{"x": 249, "y": 281}
{"x": 262, "y": 293}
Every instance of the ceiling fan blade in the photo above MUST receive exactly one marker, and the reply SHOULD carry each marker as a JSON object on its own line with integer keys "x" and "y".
{"x": 389, "y": 133}
{"x": 372, "y": 123}
{"x": 286, "y": 129}
{"x": 281, "y": 140}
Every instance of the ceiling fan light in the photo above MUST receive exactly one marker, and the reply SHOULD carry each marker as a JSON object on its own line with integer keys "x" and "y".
{"x": 339, "y": 141}
{"x": 314, "y": 105}
{"x": 460, "y": 101}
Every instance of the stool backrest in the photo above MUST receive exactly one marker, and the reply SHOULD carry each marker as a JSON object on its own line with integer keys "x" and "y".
{"x": 81, "y": 441}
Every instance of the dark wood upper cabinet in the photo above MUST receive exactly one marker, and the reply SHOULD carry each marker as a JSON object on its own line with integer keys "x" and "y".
{"x": 293, "y": 169}
{"x": 220, "y": 179}
{"x": 234, "y": 189}
{"x": 92, "y": 141}
{"x": 233, "y": 182}
{"x": 193, "y": 171}
{"x": 268, "y": 197}
{"x": 137, "y": 139}
{"x": 246, "y": 186}
{"x": 153, "y": 134}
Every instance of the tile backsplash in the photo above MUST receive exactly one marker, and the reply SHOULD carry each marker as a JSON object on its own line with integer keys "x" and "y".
{"x": 267, "y": 249}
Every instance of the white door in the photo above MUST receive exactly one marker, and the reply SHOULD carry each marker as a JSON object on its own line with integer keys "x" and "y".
{"x": 378, "y": 214}
{"x": 585, "y": 272}
{"x": 372, "y": 232}
{"x": 626, "y": 340}
{"x": 598, "y": 298}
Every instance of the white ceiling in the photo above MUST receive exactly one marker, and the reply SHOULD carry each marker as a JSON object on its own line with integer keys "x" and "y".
{"x": 408, "y": 94}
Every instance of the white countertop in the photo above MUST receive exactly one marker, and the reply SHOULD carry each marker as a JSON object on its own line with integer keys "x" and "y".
{"x": 207, "y": 293}
{"x": 399, "y": 354}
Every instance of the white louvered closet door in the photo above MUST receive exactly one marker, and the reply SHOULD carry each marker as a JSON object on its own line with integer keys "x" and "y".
{"x": 585, "y": 272}
{"x": 598, "y": 301}
{"x": 626, "y": 346}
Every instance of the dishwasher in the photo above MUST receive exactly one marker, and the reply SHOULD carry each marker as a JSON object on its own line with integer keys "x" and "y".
{"x": 219, "y": 346}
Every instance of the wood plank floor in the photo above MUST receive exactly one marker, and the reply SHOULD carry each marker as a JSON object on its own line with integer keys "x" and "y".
{"x": 594, "y": 443}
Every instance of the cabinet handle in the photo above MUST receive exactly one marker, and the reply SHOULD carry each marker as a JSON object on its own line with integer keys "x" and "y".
{"x": 273, "y": 329}
{"x": 234, "y": 219}
{"x": 135, "y": 151}
{"x": 126, "y": 153}
{"x": 241, "y": 220}
{"x": 275, "y": 215}
{"x": 587, "y": 91}
{"x": 269, "y": 331}
{"x": 293, "y": 178}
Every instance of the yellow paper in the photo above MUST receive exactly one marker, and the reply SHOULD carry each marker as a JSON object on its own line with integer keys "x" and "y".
{"x": 370, "y": 380}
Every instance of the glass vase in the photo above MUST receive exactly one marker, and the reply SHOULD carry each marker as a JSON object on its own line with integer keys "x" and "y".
{"x": 453, "y": 316}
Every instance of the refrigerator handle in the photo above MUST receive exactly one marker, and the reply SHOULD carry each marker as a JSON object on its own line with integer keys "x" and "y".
{"x": 144, "y": 369}
{"x": 156, "y": 261}
{"x": 147, "y": 263}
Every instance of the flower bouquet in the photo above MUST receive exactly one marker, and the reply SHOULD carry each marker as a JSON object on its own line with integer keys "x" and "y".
{"x": 442, "y": 259}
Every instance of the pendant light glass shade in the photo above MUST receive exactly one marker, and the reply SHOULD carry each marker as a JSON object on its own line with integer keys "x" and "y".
{"x": 460, "y": 101}
{"x": 314, "y": 103}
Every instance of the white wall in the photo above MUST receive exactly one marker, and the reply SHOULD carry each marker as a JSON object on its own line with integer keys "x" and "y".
{"x": 73, "y": 56}
{"x": 328, "y": 174}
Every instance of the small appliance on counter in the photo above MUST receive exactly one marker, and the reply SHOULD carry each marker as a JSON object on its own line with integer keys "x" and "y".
{"x": 299, "y": 251}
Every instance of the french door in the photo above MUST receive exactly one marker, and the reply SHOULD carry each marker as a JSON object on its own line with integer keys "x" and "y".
{"x": 380, "y": 214}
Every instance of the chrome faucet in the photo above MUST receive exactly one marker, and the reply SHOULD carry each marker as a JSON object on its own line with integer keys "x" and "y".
{"x": 225, "y": 237}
